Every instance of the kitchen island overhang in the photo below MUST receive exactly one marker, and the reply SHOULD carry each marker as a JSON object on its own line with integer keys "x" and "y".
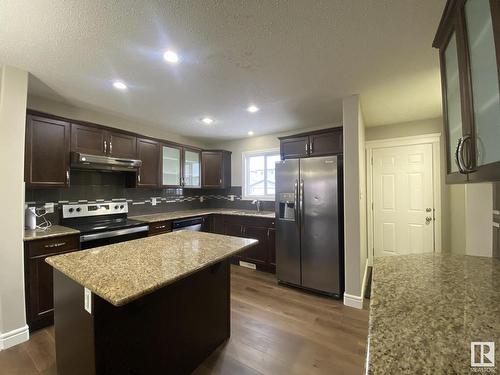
{"x": 157, "y": 305}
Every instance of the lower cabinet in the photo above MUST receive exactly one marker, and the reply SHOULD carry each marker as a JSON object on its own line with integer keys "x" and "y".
{"x": 38, "y": 277}
{"x": 159, "y": 227}
{"x": 263, "y": 255}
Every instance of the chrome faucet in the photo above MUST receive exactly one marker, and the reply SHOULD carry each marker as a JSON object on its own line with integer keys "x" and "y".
{"x": 257, "y": 203}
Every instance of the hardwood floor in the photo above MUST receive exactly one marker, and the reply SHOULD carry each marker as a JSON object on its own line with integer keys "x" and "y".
{"x": 274, "y": 330}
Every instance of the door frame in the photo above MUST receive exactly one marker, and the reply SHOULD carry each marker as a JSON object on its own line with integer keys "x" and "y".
{"x": 434, "y": 139}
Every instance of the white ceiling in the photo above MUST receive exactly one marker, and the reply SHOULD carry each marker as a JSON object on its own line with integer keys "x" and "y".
{"x": 294, "y": 59}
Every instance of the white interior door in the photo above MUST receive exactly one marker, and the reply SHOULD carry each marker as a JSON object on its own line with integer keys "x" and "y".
{"x": 403, "y": 196}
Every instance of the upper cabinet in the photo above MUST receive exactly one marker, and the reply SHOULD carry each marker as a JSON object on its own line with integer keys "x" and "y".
{"x": 468, "y": 39}
{"x": 317, "y": 143}
{"x": 47, "y": 152}
{"x": 181, "y": 167}
{"x": 99, "y": 141}
{"x": 216, "y": 169}
{"x": 148, "y": 151}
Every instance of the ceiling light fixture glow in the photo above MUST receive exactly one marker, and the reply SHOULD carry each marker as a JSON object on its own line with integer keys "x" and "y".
{"x": 171, "y": 57}
{"x": 119, "y": 85}
{"x": 207, "y": 120}
{"x": 253, "y": 108}
{"x": 250, "y": 133}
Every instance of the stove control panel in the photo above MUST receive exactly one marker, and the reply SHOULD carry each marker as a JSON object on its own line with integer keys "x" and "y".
{"x": 94, "y": 209}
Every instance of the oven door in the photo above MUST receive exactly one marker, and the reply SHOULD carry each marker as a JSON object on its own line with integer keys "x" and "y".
{"x": 91, "y": 240}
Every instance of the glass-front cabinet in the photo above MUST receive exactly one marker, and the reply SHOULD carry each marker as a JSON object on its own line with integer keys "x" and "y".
{"x": 468, "y": 39}
{"x": 181, "y": 167}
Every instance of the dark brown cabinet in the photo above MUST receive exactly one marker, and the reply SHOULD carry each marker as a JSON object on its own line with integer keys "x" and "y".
{"x": 148, "y": 151}
{"x": 216, "y": 169}
{"x": 95, "y": 140}
{"x": 318, "y": 143}
{"x": 47, "y": 152}
{"x": 160, "y": 227}
{"x": 38, "y": 277}
{"x": 263, "y": 255}
{"x": 122, "y": 145}
{"x": 468, "y": 39}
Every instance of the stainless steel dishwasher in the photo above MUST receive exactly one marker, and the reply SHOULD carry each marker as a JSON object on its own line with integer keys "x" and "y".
{"x": 194, "y": 223}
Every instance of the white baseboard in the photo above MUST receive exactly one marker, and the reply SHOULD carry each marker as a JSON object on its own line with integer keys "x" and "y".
{"x": 357, "y": 301}
{"x": 14, "y": 337}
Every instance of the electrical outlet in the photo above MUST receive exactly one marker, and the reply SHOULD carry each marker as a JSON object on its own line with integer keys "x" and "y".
{"x": 49, "y": 208}
{"x": 202, "y": 198}
{"x": 153, "y": 201}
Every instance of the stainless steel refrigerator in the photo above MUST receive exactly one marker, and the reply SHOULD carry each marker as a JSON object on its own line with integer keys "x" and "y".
{"x": 309, "y": 224}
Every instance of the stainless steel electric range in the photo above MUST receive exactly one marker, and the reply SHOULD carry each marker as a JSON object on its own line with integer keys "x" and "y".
{"x": 102, "y": 223}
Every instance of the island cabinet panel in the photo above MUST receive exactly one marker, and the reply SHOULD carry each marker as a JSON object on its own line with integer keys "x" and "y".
{"x": 47, "y": 152}
{"x": 38, "y": 278}
{"x": 160, "y": 228}
{"x": 122, "y": 145}
{"x": 216, "y": 169}
{"x": 149, "y": 152}
{"x": 170, "y": 331}
{"x": 89, "y": 140}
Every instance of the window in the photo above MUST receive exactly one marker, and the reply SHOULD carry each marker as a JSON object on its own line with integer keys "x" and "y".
{"x": 259, "y": 178}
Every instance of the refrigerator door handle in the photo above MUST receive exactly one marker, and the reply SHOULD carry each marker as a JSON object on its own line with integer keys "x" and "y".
{"x": 301, "y": 202}
{"x": 296, "y": 203}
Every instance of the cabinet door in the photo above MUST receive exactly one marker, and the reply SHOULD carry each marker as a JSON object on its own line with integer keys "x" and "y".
{"x": 89, "y": 140}
{"x": 451, "y": 100}
{"x": 122, "y": 145}
{"x": 258, "y": 253}
{"x": 212, "y": 169}
{"x": 171, "y": 166}
{"x": 191, "y": 168}
{"x": 47, "y": 152}
{"x": 294, "y": 147}
{"x": 233, "y": 229}
{"x": 484, "y": 80}
{"x": 149, "y": 152}
{"x": 325, "y": 143}
{"x": 271, "y": 247}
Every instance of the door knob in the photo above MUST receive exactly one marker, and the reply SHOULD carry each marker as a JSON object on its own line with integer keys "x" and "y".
{"x": 428, "y": 220}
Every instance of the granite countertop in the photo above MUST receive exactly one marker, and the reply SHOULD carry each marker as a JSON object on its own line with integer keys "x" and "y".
{"x": 123, "y": 272}
{"x": 425, "y": 311}
{"x": 174, "y": 215}
{"x": 53, "y": 231}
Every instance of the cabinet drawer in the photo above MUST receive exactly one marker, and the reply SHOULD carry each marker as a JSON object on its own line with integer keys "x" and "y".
{"x": 52, "y": 245}
{"x": 160, "y": 227}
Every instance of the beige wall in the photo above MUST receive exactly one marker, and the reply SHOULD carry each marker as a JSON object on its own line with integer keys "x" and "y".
{"x": 457, "y": 218}
{"x": 354, "y": 200}
{"x": 76, "y": 113}
{"x": 13, "y": 93}
{"x": 479, "y": 219}
{"x": 265, "y": 142}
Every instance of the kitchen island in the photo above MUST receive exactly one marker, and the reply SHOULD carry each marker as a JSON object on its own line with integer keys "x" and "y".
{"x": 425, "y": 310}
{"x": 157, "y": 305}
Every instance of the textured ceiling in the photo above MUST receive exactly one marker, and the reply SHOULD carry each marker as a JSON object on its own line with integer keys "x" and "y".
{"x": 294, "y": 59}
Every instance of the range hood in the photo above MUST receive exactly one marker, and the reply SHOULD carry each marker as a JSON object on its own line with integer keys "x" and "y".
{"x": 106, "y": 163}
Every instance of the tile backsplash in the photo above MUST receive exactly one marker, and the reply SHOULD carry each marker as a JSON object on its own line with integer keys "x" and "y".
{"x": 92, "y": 186}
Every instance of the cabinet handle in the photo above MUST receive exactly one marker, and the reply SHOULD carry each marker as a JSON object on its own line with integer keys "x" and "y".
{"x": 67, "y": 176}
{"x": 268, "y": 235}
{"x": 307, "y": 147}
{"x": 459, "y": 156}
{"x": 110, "y": 147}
{"x": 311, "y": 146}
{"x": 105, "y": 147}
{"x": 59, "y": 244}
{"x": 161, "y": 227}
{"x": 220, "y": 181}
{"x": 138, "y": 178}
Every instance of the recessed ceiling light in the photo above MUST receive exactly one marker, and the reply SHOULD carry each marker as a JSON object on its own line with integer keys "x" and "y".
{"x": 171, "y": 57}
{"x": 119, "y": 85}
{"x": 253, "y": 108}
{"x": 207, "y": 120}
{"x": 250, "y": 132}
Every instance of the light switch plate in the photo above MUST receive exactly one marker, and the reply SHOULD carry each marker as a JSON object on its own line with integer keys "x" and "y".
{"x": 49, "y": 208}
{"x": 87, "y": 300}
{"x": 153, "y": 201}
